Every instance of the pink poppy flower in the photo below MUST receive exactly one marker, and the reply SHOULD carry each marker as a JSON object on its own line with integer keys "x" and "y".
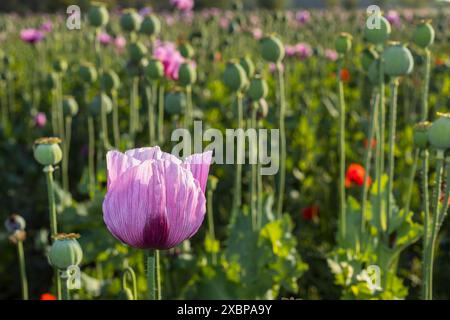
{"x": 183, "y": 5}
{"x": 303, "y": 17}
{"x": 31, "y": 35}
{"x": 170, "y": 57}
{"x": 120, "y": 43}
{"x": 40, "y": 120}
{"x": 47, "y": 26}
{"x": 257, "y": 33}
{"x": 331, "y": 54}
{"x": 154, "y": 200}
{"x": 104, "y": 38}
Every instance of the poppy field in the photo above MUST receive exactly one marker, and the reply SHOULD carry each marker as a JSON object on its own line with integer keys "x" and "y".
{"x": 225, "y": 153}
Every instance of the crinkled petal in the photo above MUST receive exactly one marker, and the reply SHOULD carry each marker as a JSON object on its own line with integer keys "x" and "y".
{"x": 199, "y": 164}
{"x": 152, "y": 153}
{"x": 117, "y": 163}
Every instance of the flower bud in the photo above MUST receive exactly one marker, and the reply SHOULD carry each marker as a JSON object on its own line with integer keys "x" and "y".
{"x": 187, "y": 75}
{"x": 87, "y": 73}
{"x": 272, "y": 49}
{"x": 110, "y": 80}
{"x": 100, "y": 101}
{"x": 420, "y": 135}
{"x": 378, "y": 35}
{"x": 130, "y": 20}
{"x": 258, "y": 88}
{"x": 424, "y": 34}
{"x": 65, "y": 251}
{"x": 175, "y": 102}
{"x": 52, "y": 80}
{"x": 155, "y": 69}
{"x": 368, "y": 56}
{"x": 186, "y": 50}
{"x": 150, "y": 26}
{"x": 248, "y": 66}
{"x": 47, "y": 151}
{"x": 137, "y": 51}
{"x": 398, "y": 60}
{"x": 343, "y": 43}
{"x": 234, "y": 76}
{"x": 439, "y": 132}
{"x": 70, "y": 106}
{"x": 98, "y": 16}
{"x": 15, "y": 223}
{"x": 60, "y": 65}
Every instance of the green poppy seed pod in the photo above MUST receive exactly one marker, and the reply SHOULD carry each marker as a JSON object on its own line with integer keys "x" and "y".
{"x": 343, "y": 43}
{"x": 15, "y": 223}
{"x": 98, "y": 102}
{"x": 155, "y": 69}
{"x": 439, "y": 132}
{"x": 258, "y": 88}
{"x": 420, "y": 135}
{"x": 175, "y": 102}
{"x": 186, "y": 50}
{"x": 374, "y": 73}
{"x": 187, "y": 75}
{"x": 47, "y": 151}
{"x": 87, "y": 73}
{"x": 272, "y": 49}
{"x": 130, "y": 20}
{"x": 378, "y": 35}
{"x": 70, "y": 106}
{"x": 234, "y": 76}
{"x": 424, "y": 34}
{"x": 137, "y": 51}
{"x": 150, "y": 26}
{"x": 98, "y": 16}
{"x": 65, "y": 251}
{"x": 368, "y": 56}
{"x": 248, "y": 66}
{"x": 52, "y": 80}
{"x": 110, "y": 80}
{"x": 398, "y": 60}
{"x": 60, "y": 65}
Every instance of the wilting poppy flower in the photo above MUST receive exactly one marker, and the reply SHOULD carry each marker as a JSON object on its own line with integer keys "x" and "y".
{"x": 355, "y": 175}
{"x": 47, "y": 296}
{"x": 154, "y": 200}
{"x": 345, "y": 75}
{"x": 31, "y": 35}
{"x": 310, "y": 213}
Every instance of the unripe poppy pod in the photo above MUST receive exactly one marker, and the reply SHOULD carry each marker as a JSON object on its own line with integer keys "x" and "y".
{"x": 150, "y": 26}
{"x": 424, "y": 34}
{"x": 65, "y": 251}
{"x": 420, "y": 135}
{"x": 70, "y": 106}
{"x": 368, "y": 56}
{"x": 398, "y": 60}
{"x": 98, "y": 16}
{"x": 234, "y": 76}
{"x": 87, "y": 73}
{"x": 137, "y": 51}
{"x": 343, "y": 43}
{"x": 175, "y": 102}
{"x": 187, "y": 75}
{"x": 155, "y": 69}
{"x": 60, "y": 65}
{"x": 248, "y": 66}
{"x": 439, "y": 132}
{"x": 47, "y": 151}
{"x": 258, "y": 88}
{"x": 110, "y": 80}
{"x": 272, "y": 49}
{"x": 374, "y": 73}
{"x": 186, "y": 50}
{"x": 378, "y": 35}
{"x": 130, "y": 20}
{"x": 100, "y": 101}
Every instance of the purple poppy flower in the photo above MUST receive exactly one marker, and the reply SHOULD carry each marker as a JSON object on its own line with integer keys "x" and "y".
{"x": 104, "y": 38}
{"x": 47, "y": 26}
{"x": 394, "y": 18}
{"x": 170, "y": 57}
{"x": 31, "y": 35}
{"x": 290, "y": 50}
{"x": 40, "y": 120}
{"x": 145, "y": 11}
{"x": 303, "y": 50}
{"x": 303, "y": 17}
{"x": 154, "y": 200}
{"x": 183, "y": 5}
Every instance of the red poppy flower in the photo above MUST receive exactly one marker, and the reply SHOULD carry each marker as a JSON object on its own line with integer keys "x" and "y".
{"x": 355, "y": 175}
{"x": 439, "y": 61}
{"x": 373, "y": 143}
{"x": 345, "y": 75}
{"x": 47, "y": 296}
{"x": 310, "y": 213}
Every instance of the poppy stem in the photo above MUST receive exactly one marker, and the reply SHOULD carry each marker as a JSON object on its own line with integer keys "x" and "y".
{"x": 91, "y": 155}
{"x": 116, "y": 129}
{"x": 282, "y": 111}
{"x": 129, "y": 274}
{"x": 239, "y": 160}
{"x": 391, "y": 152}
{"x": 65, "y": 159}
{"x": 161, "y": 114}
{"x": 188, "y": 111}
{"x": 148, "y": 91}
{"x": 342, "y": 207}
{"x": 426, "y": 226}
{"x": 23, "y": 272}
{"x": 64, "y": 275}
{"x": 380, "y": 143}
{"x": 253, "y": 167}
{"x": 151, "y": 275}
